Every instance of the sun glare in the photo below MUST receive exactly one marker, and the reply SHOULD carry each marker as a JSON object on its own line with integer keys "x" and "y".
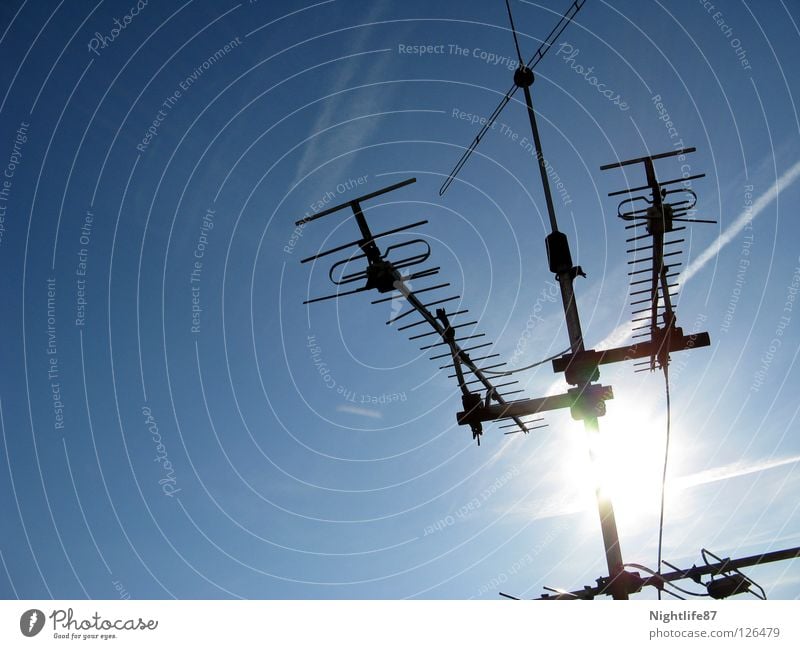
{"x": 629, "y": 456}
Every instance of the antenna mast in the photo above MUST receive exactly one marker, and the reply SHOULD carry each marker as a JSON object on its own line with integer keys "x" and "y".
{"x": 658, "y": 212}
{"x": 588, "y": 398}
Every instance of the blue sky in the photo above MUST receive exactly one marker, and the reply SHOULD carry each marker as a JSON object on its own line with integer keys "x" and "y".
{"x": 258, "y": 448}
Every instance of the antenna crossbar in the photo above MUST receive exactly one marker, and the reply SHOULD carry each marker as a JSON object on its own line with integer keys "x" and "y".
{"x": 351, "y": 203}
{"x": 719, "y": 588}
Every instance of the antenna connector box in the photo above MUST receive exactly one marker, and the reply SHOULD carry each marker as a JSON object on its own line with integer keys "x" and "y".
{"x": 659, "y": 219}
{"x": 382, "y": 276}
{"x": 589, "y": 401}
{"x": 559, "y": 257}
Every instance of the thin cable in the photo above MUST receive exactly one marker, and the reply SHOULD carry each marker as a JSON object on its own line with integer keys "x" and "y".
{"x": 664, "y": 473}
{"x": 650, "y": 571}
{"x": 529, "y": 367}
{"x": 514, "y": 32}
{"x": 669, "y": 592}
{"x": 689, "y": 592}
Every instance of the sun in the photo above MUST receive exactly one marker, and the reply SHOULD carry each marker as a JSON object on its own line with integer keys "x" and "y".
{"x": 629, "y": 461}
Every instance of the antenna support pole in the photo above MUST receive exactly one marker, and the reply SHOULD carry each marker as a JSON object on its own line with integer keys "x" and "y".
{"x": 523, "y": 77}
{"x": 558, "y": 253}
{"x": 560, "y": 262}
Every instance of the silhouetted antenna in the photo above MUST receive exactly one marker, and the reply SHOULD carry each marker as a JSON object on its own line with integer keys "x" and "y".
{"x": 586, "y": 400}
{"x": 726, "y": 580}
{"x": 380, "y": 269}
{"x": 547, "y": 43}
{"x": 669, "y": 202}
{"x": 652, "y": 219}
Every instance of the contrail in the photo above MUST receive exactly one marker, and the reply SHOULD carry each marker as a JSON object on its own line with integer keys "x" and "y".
{"x": 734, "y": 470}
{"x": 555, "y": 507}
{"x": 361, "y": 412}
{"x": 741, "y": 221}
{"x": 621, "y": 333}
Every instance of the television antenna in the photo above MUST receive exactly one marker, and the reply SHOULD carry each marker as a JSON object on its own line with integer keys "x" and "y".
{"x": 589, "y": 398}
{"x": 581, "y": 366}
{"x": 666, "y": 205}
{"x": 390, "y": 271}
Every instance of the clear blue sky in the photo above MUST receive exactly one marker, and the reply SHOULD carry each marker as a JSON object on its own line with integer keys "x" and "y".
{"x": 156, "y": 164}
